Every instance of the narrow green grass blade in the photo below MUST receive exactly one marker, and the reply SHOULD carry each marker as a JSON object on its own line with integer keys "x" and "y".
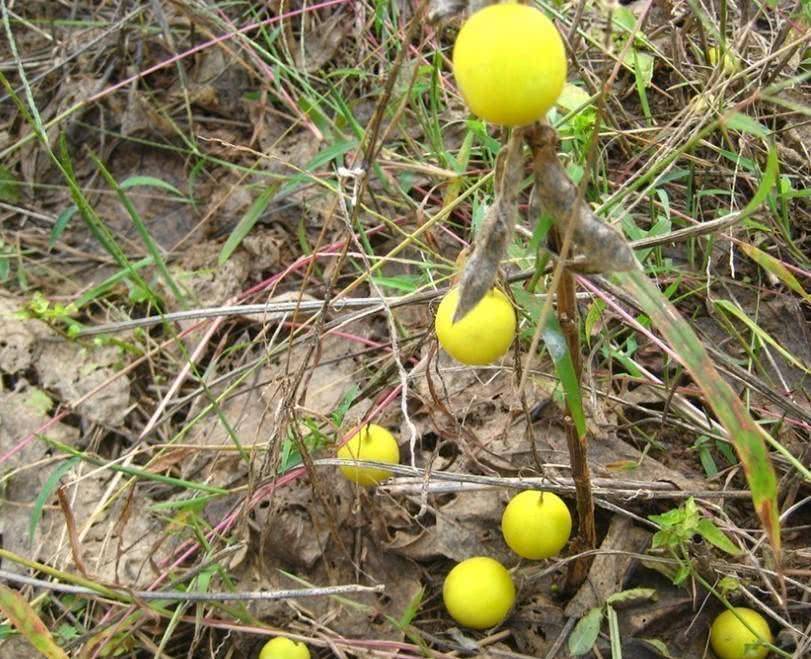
{"x": 763, "y": 336}
{"x": 46, "y": 492}
{"x": 62, "y": 221}
{"x": 140, "y": 227}
{"x": 744, "y": 433}
{"x": 92, "y": 220}
{"x": 65, "y": 166}
{"x": 247, "y": 222}
{"x": 555, "y": 342}
{"x": 150, "y": 182}
{"x": 28, "y": 623}
{"x": 112, "y": 280}
{"x": 775, "y": 267}
{"x": 135, "y": 471}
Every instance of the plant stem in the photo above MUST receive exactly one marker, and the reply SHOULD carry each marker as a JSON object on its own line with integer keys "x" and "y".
{"x": 578, "y": 569}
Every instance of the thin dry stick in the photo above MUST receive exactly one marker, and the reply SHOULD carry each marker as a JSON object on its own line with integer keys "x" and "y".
{"x": 191, "y": 596}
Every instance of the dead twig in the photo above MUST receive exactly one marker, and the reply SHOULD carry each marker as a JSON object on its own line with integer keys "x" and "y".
{"x": 187, "y": 596}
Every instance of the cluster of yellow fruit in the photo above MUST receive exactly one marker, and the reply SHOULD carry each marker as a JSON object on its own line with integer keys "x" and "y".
{"x": 510, "y": 64}
{"x": 479, "y": 592}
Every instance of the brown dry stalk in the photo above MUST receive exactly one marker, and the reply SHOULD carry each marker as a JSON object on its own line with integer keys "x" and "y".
{"x": 586, "y": 539}
{"x": 605, "y": 249}
{"x": 496, "y": 230}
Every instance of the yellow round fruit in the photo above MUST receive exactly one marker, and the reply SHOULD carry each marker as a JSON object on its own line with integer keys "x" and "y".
{"x": 479, "y": 592}
{"x": 731, "y": 64}
{"x": 510, "y": 64}
{"x": 375, "y": 444}
{"x": 730, "y": 638}
{"x": 536, "y": 524}
{"x": 284, "y": 648}
{"x": 483, "y": 335}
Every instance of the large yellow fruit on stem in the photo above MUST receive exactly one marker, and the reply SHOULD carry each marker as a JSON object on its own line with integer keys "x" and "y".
{"x": 510, "y": 64}
{"x": 483, "y": 335}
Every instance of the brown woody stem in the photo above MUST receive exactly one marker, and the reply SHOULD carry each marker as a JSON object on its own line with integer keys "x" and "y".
{"x": 587, "y": 533}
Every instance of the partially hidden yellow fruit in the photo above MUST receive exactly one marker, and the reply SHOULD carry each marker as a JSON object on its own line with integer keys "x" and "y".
{"x": 375, "y": 444}
{"x": 510, "y": 64}
{"x": 731, "y": 64}
{"x": 284, "y": 648}
{"x": 479, "y": 592}
{"x": 730, "y": 639}
{"x": 483, "y": 335}
{"x": 536, "y": 524}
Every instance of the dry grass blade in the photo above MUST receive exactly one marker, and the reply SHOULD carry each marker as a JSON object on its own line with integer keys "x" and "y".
{"x": 744, "y": 433}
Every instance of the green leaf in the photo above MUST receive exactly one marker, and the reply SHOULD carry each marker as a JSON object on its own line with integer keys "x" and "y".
{"x": 761, "y": 334}
{"x": 658, "y": 646}
{"x": 28, "y": 623}
{"x": 682, "y": 574}
{"x": 745, "y": 124}
{"x": 555, "y": 343}
{"x": 47, "y": 492}
{"x": 614, "y": 634}
{"x": 247, "y": 222}
{"x": 641, "y": 64}
{"x": 585, "y": 632}
{"x": 62, "y": 221}
{"x": 767, "y": 182}
{"x": 151, "y": 182}
{"x": 632, "y": 596}
{"x": 411, "y": 609}
{"x": 707, "y": 529}
{"x": 9, "y": 186}
{"x": 573, "y": 97}
{"x": 594, "y": 314}
{"x": 345, "y": 403}
{"x": 141, "y": 228}
{"x": 775, "y": 267}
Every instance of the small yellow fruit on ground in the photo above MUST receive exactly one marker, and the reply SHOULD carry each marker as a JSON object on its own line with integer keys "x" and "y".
{"x": 479, "y": 592}
{"x": 730, "y": 639}
{"x": 375, "y": 444}
{"x": 483, "y": 335}
{"x": 284, "y": 648}
{"x": 731, "y": 64}
{"x": 510, "y": 64}
{"x": 536, "y": 524}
